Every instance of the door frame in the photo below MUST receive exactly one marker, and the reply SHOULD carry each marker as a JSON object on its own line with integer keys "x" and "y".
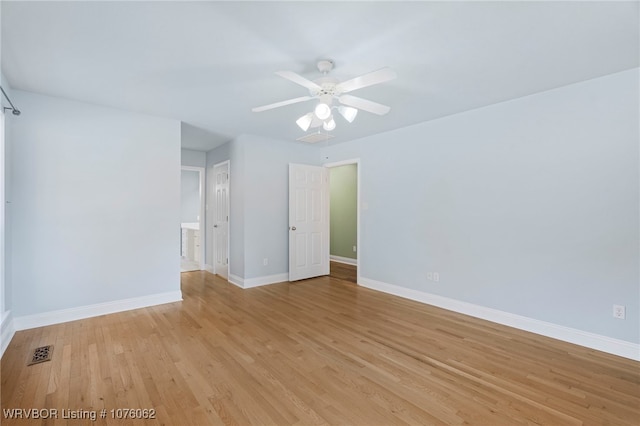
{"x": 357, "y": 162}
{"x": 201, "y": 179}
{"x": 213, "y": 216}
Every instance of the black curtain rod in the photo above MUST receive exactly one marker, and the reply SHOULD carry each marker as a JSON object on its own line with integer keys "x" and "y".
{"x": 13, "y": 109}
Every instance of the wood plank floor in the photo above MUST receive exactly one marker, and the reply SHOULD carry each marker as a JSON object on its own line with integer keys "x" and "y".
{"x": 344, "y": 272}
{"x": 320, "y": 351}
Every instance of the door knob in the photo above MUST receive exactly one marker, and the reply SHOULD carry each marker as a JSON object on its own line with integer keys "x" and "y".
{"x": 215, "y": 226}
{"x": 293, "y": 228}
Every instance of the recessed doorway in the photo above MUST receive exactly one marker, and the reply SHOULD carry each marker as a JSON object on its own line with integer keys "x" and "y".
{"x": 192, "y": 219}
{"x": 344, "y": 216}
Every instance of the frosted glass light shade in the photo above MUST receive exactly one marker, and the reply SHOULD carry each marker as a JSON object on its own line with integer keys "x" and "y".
{"x": 329, "y": 125}
{"x": 348, "y": 113}
{"x": 305, "y": 121}
{"x": 322, "y": 111}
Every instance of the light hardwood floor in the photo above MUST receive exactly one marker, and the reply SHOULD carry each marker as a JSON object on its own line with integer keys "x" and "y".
{"x": 344, "y": 272}
{"x": 320, "y": 351}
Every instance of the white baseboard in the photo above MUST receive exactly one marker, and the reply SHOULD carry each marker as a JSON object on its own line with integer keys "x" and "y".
{"x": 346, "y": 260}
{"x": 7, "y": 331}
{"x": 236, "y": 280}
{"x": 583, "y": 338}
{"x": 258, "y": 281}
{"x": 266, "y": 280}
{"x": 82, "y": 312}
{"x": 208, "y": 268}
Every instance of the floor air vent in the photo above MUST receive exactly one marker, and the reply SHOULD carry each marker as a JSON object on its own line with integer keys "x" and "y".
{"x": 41, "y": 354}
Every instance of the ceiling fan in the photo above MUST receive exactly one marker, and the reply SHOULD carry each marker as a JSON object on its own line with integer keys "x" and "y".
{"x": 328, "y": 89}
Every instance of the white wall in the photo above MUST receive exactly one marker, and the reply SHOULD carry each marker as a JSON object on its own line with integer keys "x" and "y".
{"x": 6, "y": 330}
{"x": 259, "y": 202}
{"x": 3, "y": 305}
{"x": 192, "y": 158}
{"x": 96, "y": 205}
{"x": 530, "y": 206}
{"x": 266, "y": 192}
{"x": 197, "y": 139}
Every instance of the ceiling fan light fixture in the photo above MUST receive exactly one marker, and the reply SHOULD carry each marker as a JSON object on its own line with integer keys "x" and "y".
{"x": 305, "y": 121}
{"x": 348, "y": 113}
{"x": 329, "y": 125}
{"x": 322, "y": 111}
{"x": 331, "y": 93}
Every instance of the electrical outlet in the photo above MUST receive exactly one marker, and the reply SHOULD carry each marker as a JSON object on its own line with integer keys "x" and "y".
{"x": 265, "y": 261}
{"x": 433, "y": 276}
{"x": 619, "y": 311}
{"x": 354, "y": 249}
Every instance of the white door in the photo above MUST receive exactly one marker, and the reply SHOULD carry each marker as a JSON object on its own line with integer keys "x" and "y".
{"x": 221, "y": 220}
{"x": 308, "y": 221}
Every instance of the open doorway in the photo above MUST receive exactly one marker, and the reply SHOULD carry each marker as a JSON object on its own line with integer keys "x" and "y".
{"x": 344, "y": 215}
{"x": 192, "y": 219}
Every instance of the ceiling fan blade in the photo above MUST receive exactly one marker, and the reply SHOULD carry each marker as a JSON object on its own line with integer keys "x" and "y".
{"x": 364, "y": 104}
{"x": 369, "y": 79}
{"x": 283, "y": 103}
{"x": 298, "y": 79}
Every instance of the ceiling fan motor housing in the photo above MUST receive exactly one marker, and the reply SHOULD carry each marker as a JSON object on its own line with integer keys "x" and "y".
{"x": 327, "y": 88}
{"x": 325, "y": 65}
{"x": 328, "y": 85}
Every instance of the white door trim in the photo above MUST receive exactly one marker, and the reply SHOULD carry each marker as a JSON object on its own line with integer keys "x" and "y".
{"x": 201, "y": 173}
{"x": 355, "y": 161}
{"x": 213, "y": 198}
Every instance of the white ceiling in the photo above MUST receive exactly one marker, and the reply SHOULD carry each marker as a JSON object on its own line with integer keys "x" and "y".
{"x": 209, "y": 63}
